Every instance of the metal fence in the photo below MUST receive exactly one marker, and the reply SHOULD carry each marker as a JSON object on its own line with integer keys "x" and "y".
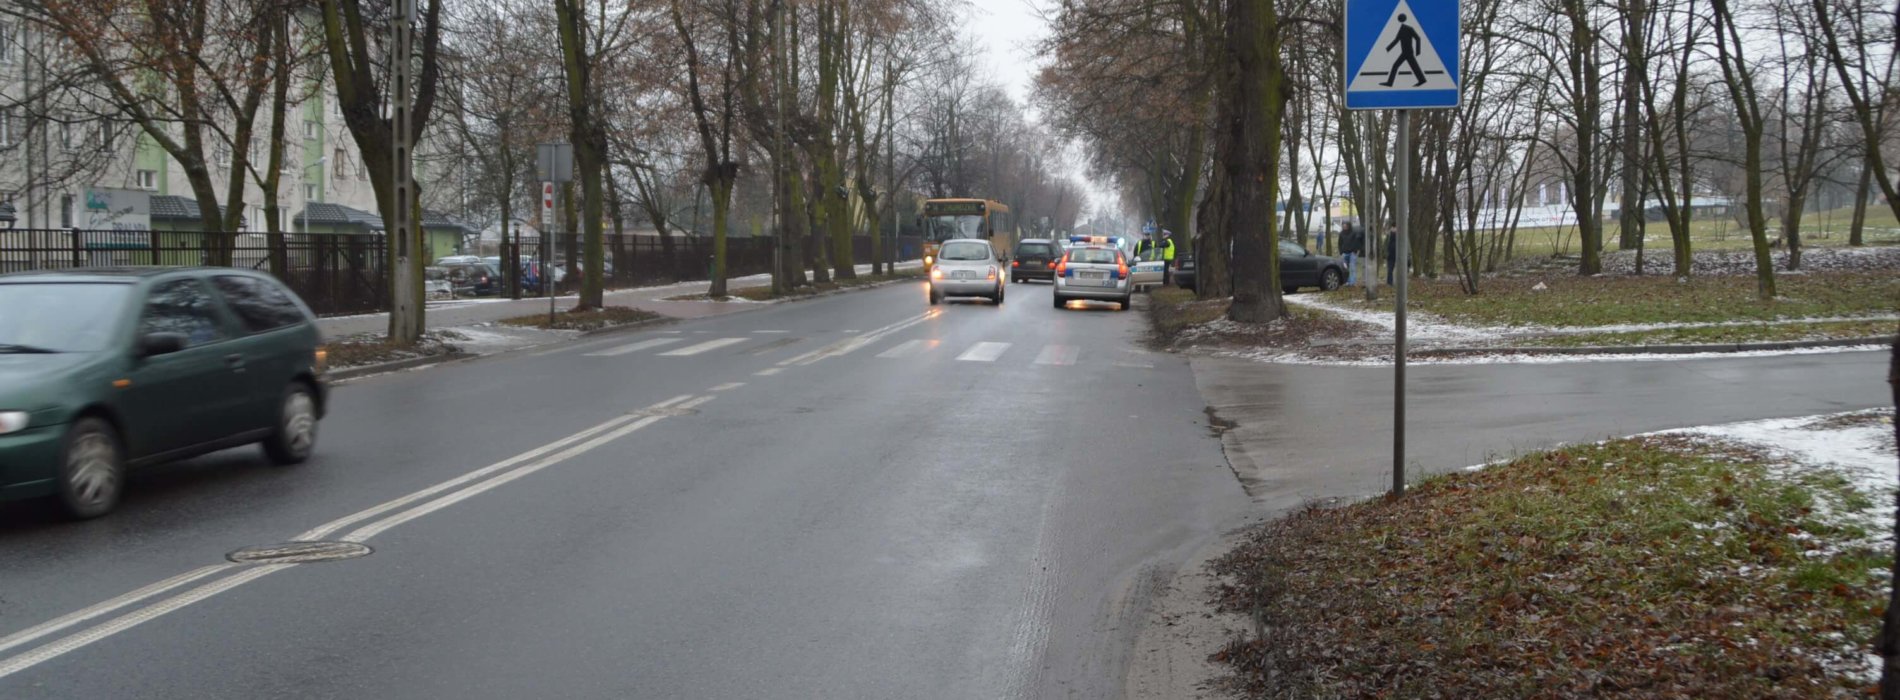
{"x": 348, "y": 274}
{"x": 335, "y": 274}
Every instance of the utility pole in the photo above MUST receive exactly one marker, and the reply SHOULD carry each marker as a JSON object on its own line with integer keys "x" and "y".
{"x": 405, "y": 318}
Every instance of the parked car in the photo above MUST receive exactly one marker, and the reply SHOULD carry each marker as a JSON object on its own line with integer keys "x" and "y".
{"x": 1034, "y": 259}
{"x": 457, "y": 260}
{"x": 967, "y": 268}
{"x": 1097, "y": 272}
{"x": 435, "y": 283}
{"x": 106, "y": 369}
{"x": 474, "y": 279}
{"x": 1299, "y": 268}
{"x": 1148, "y": 270}
{"x": 1184, "y": 270}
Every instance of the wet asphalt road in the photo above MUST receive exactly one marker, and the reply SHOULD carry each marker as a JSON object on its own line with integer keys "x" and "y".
{"x": 855, "y": 496}
{"x": 866, "y": 498}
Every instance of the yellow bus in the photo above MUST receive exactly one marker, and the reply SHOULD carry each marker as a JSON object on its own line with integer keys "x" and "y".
{"x": 951, "y": 219}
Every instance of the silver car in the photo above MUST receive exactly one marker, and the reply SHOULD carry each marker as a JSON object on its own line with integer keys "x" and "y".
{"x": 1096, "y": 272}
{"x": 966, "y": 268}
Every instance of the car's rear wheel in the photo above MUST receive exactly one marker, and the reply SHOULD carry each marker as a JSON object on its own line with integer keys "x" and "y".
{"x": 1060, "y": 302}
{"x": 295, "y": 434}
{"x": 935, "y": 297}
{"x": 1127, "y": 303}
{"x": 1330, "y": 279}
{"x": 999, "y": 295}
{"x": 91, "y": 469}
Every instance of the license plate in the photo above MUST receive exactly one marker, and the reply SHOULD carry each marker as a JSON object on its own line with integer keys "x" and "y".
{"x": 964, "y": 275}
{"x": 1093, "y": 274}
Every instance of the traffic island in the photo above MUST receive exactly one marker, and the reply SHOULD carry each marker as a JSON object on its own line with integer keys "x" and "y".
{"x": 1693, "y": 564}
{"x": 585, "y": 321}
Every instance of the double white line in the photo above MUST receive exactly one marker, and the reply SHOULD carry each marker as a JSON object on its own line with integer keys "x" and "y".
{"x": 853, "y": 343}
{"x": 391, "y": 514}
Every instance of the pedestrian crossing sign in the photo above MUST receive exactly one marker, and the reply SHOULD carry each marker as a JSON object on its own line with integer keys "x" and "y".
{"x": 1400, "y": 58}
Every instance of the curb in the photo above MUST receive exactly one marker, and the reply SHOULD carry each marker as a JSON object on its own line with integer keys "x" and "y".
{"x": 1661, "y": 349}
{"x": 347, "y": 373}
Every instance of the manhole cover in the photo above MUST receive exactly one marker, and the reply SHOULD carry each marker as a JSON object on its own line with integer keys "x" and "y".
{"x": 298, "y": 552}
{"x": 664, "y": 412}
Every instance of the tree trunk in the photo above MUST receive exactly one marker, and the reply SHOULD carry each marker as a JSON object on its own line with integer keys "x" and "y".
{"x": 1635, "y": 17}
{"x": 722, "y": 206}
{"x": 1253, "y": 166}
{"x": 1861, "y": 193}
{"x": 1748, "y": 111}
{"x": 281, "y": 75}
{"x": 590, "y": 150}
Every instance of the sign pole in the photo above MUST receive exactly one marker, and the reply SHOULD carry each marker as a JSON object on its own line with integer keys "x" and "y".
{"x": 1401, "y": 251}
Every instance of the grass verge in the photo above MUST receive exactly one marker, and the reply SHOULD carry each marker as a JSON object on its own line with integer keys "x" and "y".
{"x": 358, "y": 351}
{"x": 590, "y": 320}
{"x": 1605, "y": 300}
{"x": 1765, "y": 333}
{"x": 1646, "y": 567}
{"x": 1180, "y": 320}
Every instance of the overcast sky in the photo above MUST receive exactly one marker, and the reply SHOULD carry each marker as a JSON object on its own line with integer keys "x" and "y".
{"x": 1010, "y": 30}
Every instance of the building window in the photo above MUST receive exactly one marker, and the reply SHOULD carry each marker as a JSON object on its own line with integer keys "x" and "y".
{"x": 147, "y": 179}
{"x": 66, "y": 135}
{"x": 309, "y": 192}
{"x": 337, "y": 169}
{"x": 310, "y": 130}
{"x": 65, "y": 211}
{"x": 6, "y": 127}
{"x": 6, "y": 42}
{"x": 105, "y": 135}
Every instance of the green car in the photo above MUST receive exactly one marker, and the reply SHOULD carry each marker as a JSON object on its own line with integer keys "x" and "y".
{"x": 106, "y": 369}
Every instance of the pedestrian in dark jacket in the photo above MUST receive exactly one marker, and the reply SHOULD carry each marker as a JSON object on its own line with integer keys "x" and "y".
{"x": 1352, "y": 243}
{"x": 1391, "y": 244}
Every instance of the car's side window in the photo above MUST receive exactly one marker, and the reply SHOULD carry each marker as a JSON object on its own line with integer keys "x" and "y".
{"x": 1291, "y": 250}
{"x": 260, "y": 305}
{"x": 182, "y": 307}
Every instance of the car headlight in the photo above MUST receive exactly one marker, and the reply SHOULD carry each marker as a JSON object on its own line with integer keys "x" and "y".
{"x": 12, "y": 421}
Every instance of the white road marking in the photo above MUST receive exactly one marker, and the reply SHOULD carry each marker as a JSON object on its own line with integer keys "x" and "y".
{"x": 709, "y": 345}
{"x": 1058, "y": 355}
{"x": 326, "y": 529}
{"x": 728, "y": 386}
{"x": 909, "y": 348}
{"x": 564, "y": 347}
{"x": 635, "y": 347}
{"x": 850, "y": 345}
{"x": 768, "y": 371}
{"x": 73, "y": 618}
{"x": 1135, "y": 365}
{"x": 134, "y": 619}
{"x": 771, "y": 331}
{"x": 613, "y": 429}
{"x": 983, "y": 352}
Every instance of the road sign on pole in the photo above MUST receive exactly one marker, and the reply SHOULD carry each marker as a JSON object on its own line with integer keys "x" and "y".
{"x": 1402, "y": 54}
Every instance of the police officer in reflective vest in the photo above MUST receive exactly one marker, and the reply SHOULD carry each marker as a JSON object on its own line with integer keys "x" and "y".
{"x": 1167, "y": 255}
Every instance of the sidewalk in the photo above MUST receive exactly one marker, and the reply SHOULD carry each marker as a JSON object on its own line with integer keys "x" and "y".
{"x": 463, "y": 312}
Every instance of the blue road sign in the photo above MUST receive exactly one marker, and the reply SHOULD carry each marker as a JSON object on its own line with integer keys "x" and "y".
{"x": 1398, "y": 58}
